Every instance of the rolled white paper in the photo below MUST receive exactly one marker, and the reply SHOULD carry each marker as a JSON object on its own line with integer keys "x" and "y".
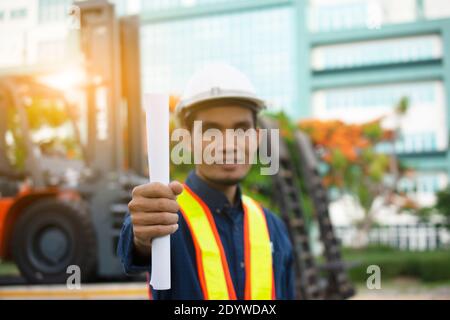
{"x": 157, "y": 117}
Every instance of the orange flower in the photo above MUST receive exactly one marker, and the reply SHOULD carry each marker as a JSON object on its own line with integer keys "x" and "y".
{"x": 173, "y": 101}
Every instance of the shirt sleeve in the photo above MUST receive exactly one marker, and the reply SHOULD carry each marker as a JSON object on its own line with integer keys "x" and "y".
{"x": 125, "y": 250}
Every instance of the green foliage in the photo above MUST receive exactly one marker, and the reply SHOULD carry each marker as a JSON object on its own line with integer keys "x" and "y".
{"x": 16, "y": 151}
{"x": 403, "y": 106}
{"x": 441, "y": 207}
{"x": 378, "y": 166}
{"x": 46, "y": 113}
{"x": 338, "y": 160}
{"x": 429, "y": 266}
{"x": 373, "y": 131}
{"x": 8, "y": 269}
{"x": 443, "y": 202}
{"x": 41, "y": 114}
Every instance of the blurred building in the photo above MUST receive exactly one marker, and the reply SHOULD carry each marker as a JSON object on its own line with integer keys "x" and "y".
{"x": 38, "y": 31}
{"x": 33, "y": 32}
{"x": 365, "y": 56}
{"x": 346, "y": 59}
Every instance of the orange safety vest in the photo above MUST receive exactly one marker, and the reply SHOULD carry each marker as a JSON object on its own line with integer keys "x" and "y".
{"x": 212, "y": 266}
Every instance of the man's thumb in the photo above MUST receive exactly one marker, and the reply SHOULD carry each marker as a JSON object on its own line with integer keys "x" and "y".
{"x": 176, "y": 187}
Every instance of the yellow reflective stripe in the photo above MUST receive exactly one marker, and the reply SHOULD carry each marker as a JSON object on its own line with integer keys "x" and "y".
{"x": 213, "y": 270}
{"x": 261, "y": 273}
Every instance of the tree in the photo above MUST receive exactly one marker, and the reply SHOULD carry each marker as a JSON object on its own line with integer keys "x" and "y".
{"x": 353, "y": 165}
{"x": 441, "y": 207}
{"x": 43, "y": 115}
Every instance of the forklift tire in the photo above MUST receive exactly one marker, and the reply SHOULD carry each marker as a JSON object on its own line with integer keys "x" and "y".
{"x": 50, "y": 235}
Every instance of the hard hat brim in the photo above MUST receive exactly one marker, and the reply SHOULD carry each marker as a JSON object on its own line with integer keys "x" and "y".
{"x": 201, "y": 101}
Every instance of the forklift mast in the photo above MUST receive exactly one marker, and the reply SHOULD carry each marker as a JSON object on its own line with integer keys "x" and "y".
{"x": 98, "y": 37}
{"x": 131, "y": 93}
{"x": 111, "y": 50}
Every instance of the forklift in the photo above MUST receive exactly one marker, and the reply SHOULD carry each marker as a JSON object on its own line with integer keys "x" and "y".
{"x": 49, "y": 221}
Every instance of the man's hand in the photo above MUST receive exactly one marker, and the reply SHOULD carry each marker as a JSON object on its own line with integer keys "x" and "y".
{"x": 153, "y": 209}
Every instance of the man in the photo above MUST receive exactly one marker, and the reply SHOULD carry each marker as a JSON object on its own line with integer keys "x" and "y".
{"x": 224, "y": 245}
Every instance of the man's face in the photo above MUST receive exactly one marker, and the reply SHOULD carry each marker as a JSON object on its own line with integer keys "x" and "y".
{"x": 223, "y": 118}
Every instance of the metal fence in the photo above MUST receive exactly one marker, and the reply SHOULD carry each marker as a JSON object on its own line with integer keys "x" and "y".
{"x": 417, "y": 237}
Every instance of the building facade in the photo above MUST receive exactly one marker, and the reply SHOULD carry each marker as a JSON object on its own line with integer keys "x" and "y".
{"x": 33, "y": 32}
{"x": 361, "y": 70}
{"x": 39, "y": 31}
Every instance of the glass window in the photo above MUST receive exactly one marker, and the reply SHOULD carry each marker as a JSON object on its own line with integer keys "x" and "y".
{"x": 377, "y": 52}
{"x": 155, "y": 5}
{"x": 260, "y": 43}
{"x": 53, "y": 10}
{"x": 436, "y": 9}
{"x": 326, "y": 16}
{"x": 18, "y": 13}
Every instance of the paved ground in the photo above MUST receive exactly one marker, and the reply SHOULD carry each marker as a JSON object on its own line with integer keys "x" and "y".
{"x": 87, "y": 291}
{"x": 138, "y": 290}
{"x": 405, "y": 289}
{"x": 392, "y": 294}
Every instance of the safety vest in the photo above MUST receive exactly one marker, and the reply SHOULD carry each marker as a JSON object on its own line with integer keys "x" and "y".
{"x": 212, "y": 266}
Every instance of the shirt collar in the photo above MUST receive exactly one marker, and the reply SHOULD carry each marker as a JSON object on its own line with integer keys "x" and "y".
{"x": 213, "y": 198}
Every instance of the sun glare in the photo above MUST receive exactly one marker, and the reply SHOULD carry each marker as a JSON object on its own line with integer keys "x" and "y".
{"x": 68, "y": 79}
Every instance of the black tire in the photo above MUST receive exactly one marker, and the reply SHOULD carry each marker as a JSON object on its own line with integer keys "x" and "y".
{"x": 51, "y": 235}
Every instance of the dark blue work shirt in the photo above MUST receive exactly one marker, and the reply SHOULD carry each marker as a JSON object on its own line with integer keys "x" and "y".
{"x": 229, "y": 221}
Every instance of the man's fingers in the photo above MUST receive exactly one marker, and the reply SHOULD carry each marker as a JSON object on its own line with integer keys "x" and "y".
{"x": 141, "y": 204}
{"x": 154, "y": 210}
{"x": 156, "y": 218}
{"x": 176, "y": 187}
{"x": 146, "y": 233}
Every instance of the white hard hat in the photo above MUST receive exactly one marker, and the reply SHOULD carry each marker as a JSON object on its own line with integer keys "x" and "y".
{"x": 217, "y": 81}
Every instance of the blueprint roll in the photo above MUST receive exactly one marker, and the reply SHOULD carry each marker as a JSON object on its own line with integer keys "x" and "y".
{"x": 157, "y": 119}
